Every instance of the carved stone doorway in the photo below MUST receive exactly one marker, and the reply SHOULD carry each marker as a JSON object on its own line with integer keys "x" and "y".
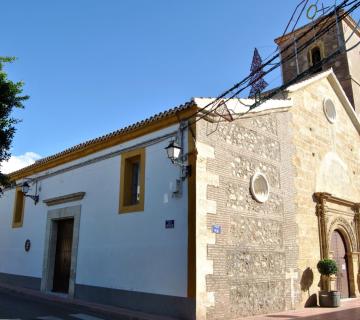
{"x": 340, "y": 254}
{"x": 339, "y": 236}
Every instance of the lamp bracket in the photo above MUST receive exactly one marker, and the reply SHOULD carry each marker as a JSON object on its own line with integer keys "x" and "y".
{"x": 180, "y": 162}
{"x": 33, "y": 197}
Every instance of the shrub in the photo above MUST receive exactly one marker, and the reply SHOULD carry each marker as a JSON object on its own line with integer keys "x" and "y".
{"x": 327, "y": 267}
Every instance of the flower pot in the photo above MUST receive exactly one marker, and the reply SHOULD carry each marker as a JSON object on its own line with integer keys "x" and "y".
{"x": 329, "y": 299}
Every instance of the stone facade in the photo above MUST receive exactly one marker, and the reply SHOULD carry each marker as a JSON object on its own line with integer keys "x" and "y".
{"x": 264, "y": 258}
{"x": 326, "y": 160}
{"x": 253, "y": 255}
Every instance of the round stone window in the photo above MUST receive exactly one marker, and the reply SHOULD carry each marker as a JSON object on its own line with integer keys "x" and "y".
{"x": 259, "y": 187}
{"x": 329, "y": 110}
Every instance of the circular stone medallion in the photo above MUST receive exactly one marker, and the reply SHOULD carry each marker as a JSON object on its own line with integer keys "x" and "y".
{"x": 329, "y": 110}
{"x": 259, "y": 187}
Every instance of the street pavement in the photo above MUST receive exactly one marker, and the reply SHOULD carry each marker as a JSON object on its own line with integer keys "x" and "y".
{"x": 19, "y": 306}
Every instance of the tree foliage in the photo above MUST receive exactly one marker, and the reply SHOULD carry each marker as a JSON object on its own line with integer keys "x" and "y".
{"x": 327, "y": 267}
{"x": 10, "y": 97}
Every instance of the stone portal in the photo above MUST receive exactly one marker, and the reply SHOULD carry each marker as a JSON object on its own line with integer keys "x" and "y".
{"x": 339, "y": 234}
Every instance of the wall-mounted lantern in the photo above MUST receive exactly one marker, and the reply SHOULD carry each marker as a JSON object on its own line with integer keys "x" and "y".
{"x": 173, "y": 151}
{"x": 175, "y": 154}
{"x": 25, "y": 189}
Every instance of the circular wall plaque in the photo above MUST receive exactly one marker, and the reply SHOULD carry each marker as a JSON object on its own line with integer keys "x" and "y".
{"x": 329, "y": 110}
{"x": 27, "y": 245}
{"x": 259, "y": 187}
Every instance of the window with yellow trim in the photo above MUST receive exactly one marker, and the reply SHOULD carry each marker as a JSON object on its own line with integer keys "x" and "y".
{"x": 132, "y": 181}
{"x": 18, "y": 214}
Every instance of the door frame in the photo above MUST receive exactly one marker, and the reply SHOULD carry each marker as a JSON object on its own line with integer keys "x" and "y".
{"x": 53, "y": 216}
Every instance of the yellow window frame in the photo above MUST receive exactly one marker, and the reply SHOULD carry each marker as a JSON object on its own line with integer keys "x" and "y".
{"x": 126, "y": 159}
{"x": 19, "y": 206}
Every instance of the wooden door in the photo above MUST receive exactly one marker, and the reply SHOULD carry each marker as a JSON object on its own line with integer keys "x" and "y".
{"x": 63, "y": 255}
{"x": 339, "y": 249}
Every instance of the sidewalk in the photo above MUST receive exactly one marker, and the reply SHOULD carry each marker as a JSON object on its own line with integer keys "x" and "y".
{"x": 110, "y": 310}
{"x": 349, "y": 310}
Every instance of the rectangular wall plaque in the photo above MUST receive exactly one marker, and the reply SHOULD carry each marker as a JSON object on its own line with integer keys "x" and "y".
{"x": 216, "y": 229}
{"x": 170, "y": 224}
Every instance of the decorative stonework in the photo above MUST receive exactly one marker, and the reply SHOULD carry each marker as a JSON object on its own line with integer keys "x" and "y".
{"x": 239, "y": 198}
{"x": 256, "y": 298}
{"x": 338, "y": 222}
{"x": 256, "y": 232}
{"x": 243, "y": 168}
{"x": 330, "y": 218}
{"x": 259, "y": 187}
{"x": 247, "y": 264}
{"x": 250, "y": 141}
{"x": 251, "y": 253}
{"x": 265, "y": 123}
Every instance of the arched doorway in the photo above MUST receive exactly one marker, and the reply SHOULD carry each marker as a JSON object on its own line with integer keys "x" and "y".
{"x": 339, "y": 251}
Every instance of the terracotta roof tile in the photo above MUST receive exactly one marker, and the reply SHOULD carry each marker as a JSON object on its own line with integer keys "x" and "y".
{"x": 127, "y": 129}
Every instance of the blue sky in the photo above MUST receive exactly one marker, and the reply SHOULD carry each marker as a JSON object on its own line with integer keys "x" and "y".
{"x": 94, "y": 66}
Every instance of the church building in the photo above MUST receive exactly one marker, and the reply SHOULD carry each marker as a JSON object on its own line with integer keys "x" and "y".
{"x": 203, "y": 215}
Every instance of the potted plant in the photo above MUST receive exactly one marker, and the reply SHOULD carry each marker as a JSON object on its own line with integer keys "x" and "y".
{"x": 327, "y": 297}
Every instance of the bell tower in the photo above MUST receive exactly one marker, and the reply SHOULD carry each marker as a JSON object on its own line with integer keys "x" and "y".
{"x": 346, "y": 65}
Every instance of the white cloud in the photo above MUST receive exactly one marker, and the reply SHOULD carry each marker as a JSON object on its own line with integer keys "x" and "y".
{"x": 18, "y": 162}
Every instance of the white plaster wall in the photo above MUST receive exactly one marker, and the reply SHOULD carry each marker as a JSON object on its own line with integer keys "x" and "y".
{"x": 13, "y": 258}
{"x": 130, "y": 251}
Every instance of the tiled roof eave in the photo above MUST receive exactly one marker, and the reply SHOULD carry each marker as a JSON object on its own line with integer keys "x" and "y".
{"x": 103, "y": 142}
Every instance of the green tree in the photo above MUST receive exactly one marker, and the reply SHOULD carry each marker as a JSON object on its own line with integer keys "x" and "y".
{"x": 10, "y": 97}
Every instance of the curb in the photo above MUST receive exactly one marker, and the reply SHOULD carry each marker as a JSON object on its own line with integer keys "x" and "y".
{"x": 96, "y": 307}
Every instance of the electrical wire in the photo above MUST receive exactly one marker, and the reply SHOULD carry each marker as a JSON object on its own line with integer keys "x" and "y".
{"x": 353, "y": 47}
{"x": 309, "y": 71}
{"x": 295, "y": 24}
{"x": 301, "y": 12}
{"x": 352, "y": 33}
{"x": 292, "y": 16}
{"x": 267, "y": 63}
{"x": 336, "y": 10}
{"x": 321, "y": 32}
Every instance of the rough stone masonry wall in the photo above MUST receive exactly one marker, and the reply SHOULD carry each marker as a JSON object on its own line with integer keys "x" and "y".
{"x": 247, "y": 268}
